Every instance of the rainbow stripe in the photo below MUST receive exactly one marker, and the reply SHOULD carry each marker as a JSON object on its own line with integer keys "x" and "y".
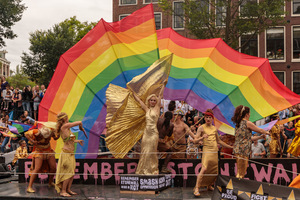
{"x": 110, "y": 53}
{"x": 17, "y": 127}
{"x": 209, "y": 74}
{"x": 288, "y": 120}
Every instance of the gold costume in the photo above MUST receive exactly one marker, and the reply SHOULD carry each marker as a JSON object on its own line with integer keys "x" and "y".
{"x": 125, "y": 118}
{"x": 20, "y": 153}
{"x": 275, "y": 136}
{"x": 210, "y": 155}
{"x": 66, "y": 163}
{"x": 148, "y": 163}
{"x": 294, "y": 148}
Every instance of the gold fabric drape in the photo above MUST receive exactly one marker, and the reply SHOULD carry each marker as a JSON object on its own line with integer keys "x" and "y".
{"x": 125, "y": 118}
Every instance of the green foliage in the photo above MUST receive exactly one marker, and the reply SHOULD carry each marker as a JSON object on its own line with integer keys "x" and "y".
{"x": 46, "y": 47}
{"x": 20, "y": 80}
{"x": 10, "y": 12}
{"x": 236, "y": 17}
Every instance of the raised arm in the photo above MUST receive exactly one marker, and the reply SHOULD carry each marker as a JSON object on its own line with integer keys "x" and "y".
{"x": 71, "y": 124}
{"x": 144, "y": 107}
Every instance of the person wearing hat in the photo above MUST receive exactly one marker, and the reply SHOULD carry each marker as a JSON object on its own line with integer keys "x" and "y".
{"x": 43, "y": 156}
{"x": 275, "y": 145}
{"x": 180, "y": 131}
{"x": 208, "y": 134}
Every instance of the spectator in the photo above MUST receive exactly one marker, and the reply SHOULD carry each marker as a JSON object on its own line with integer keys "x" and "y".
{"x": 21, "y": 152}
{"x": 36, "y": 101}
{"x": 26, "y": 97}
{"x": 42, "y": 92}
{"x": 289, "y": 131}
{"x": 17, "y": 101}
{"x": 258, "y": 150}
{"x": 31, "y": 121}
{"x": 4, "y": 83}
{"x": 7, "y": 95}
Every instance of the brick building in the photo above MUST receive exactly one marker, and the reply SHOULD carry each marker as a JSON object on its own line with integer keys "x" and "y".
{"x": 281, "y": 45}
{"x": 4, "y": 64}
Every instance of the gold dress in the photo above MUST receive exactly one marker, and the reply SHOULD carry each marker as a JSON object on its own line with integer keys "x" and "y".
{"x": 125, "y": 119}
{"x": 294, "y": 148}
{"x": 66, "y": 163}
{"x": 275, "y": 135}
{"x": 210, "y": 155}
{"x": 148, "y": 163}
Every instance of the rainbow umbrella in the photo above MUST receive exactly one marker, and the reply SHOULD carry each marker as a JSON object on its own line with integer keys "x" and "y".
{"x": 210, "y": 74}
{"x": 109, "y": 53}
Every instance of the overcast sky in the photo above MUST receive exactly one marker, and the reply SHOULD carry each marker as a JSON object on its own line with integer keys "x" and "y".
{"x": 43, "y": 14}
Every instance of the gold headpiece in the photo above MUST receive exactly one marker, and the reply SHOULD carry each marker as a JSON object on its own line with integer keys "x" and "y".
{"x": 61, "y": 117}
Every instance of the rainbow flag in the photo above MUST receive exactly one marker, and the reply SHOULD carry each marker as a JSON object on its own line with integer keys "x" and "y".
{"x": 204, "y": 73}
{"x": 109, "y": 53}
{"x": 210, "y": 74}
{"x": 226, "y": 129}
{"x": 288, "y": 119}
{"x": 17, "y": 127}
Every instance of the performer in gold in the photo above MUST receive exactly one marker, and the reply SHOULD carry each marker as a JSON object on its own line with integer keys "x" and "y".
{"x": 275, "y": 145}
{"x": 210, "y": 137}
{"x": 128, "y": 118}
{"x": 148, "y": 163}
{"x": 21, "y": 152}
{"x": 66, "y": 163}
{"x": 244, "y": 138}
{"x": 294, "y": 148}
{"x": 43, "y": 158}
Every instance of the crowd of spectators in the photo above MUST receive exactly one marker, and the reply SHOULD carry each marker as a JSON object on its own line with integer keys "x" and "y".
{"x": 19, "y": 105}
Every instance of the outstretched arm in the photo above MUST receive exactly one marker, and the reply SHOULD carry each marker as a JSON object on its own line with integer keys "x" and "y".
{"x": 219, "y": 141}
{"x": 253, "y": 127}
{"x": 144, "y": 107}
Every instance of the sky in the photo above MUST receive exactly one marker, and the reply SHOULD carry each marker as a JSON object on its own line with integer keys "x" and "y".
{"x": 43, "y": 14}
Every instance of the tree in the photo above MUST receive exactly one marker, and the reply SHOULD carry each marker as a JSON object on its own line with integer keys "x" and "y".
{"x": 228, "y": 19}
{"x": 19, "y": 79}
{"x": 10, "y": 12}
{"x": 46, "y": 47}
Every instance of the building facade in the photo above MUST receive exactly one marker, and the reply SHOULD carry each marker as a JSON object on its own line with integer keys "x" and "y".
{"x": 4, "y": 65}
{"x": 281, "y": 45}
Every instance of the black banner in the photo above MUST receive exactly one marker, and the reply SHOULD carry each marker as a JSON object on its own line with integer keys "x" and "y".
{"x": 184, "y": 171}
{"x": 231, "y": 188}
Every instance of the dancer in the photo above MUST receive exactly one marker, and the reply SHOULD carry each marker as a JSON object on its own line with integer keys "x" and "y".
{"x": 66, "y": 162}
{"x": 210, "y": 137}
{"x": 294, "y": 148}
{"x": 165, "y": 128}
{"x": 148, "y": 163}
{"x": 43, "y": 158}
{"x": 244, "y": 138}
{"x": 180, "y": 131}
{"x": 275, "y": 138}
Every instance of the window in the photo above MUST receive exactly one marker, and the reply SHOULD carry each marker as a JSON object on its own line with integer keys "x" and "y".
{"x": 220, "y": 13}
{"x": 296, "y": 7}
{"x": 275, "y": 43}
{"x": 178, "y": 15}
{"x": 157, "y": 17}
{"x": 127, "y": 2}
{"x": 123, "y": 16}
{"x": 150, "y": 1}
{"x": 280, "y": 76}
{"x": 249, "y": 4}
{"x": 251, "y": 48}
{"x": 296, "y": 82}
{"x": 296, "y": 42}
